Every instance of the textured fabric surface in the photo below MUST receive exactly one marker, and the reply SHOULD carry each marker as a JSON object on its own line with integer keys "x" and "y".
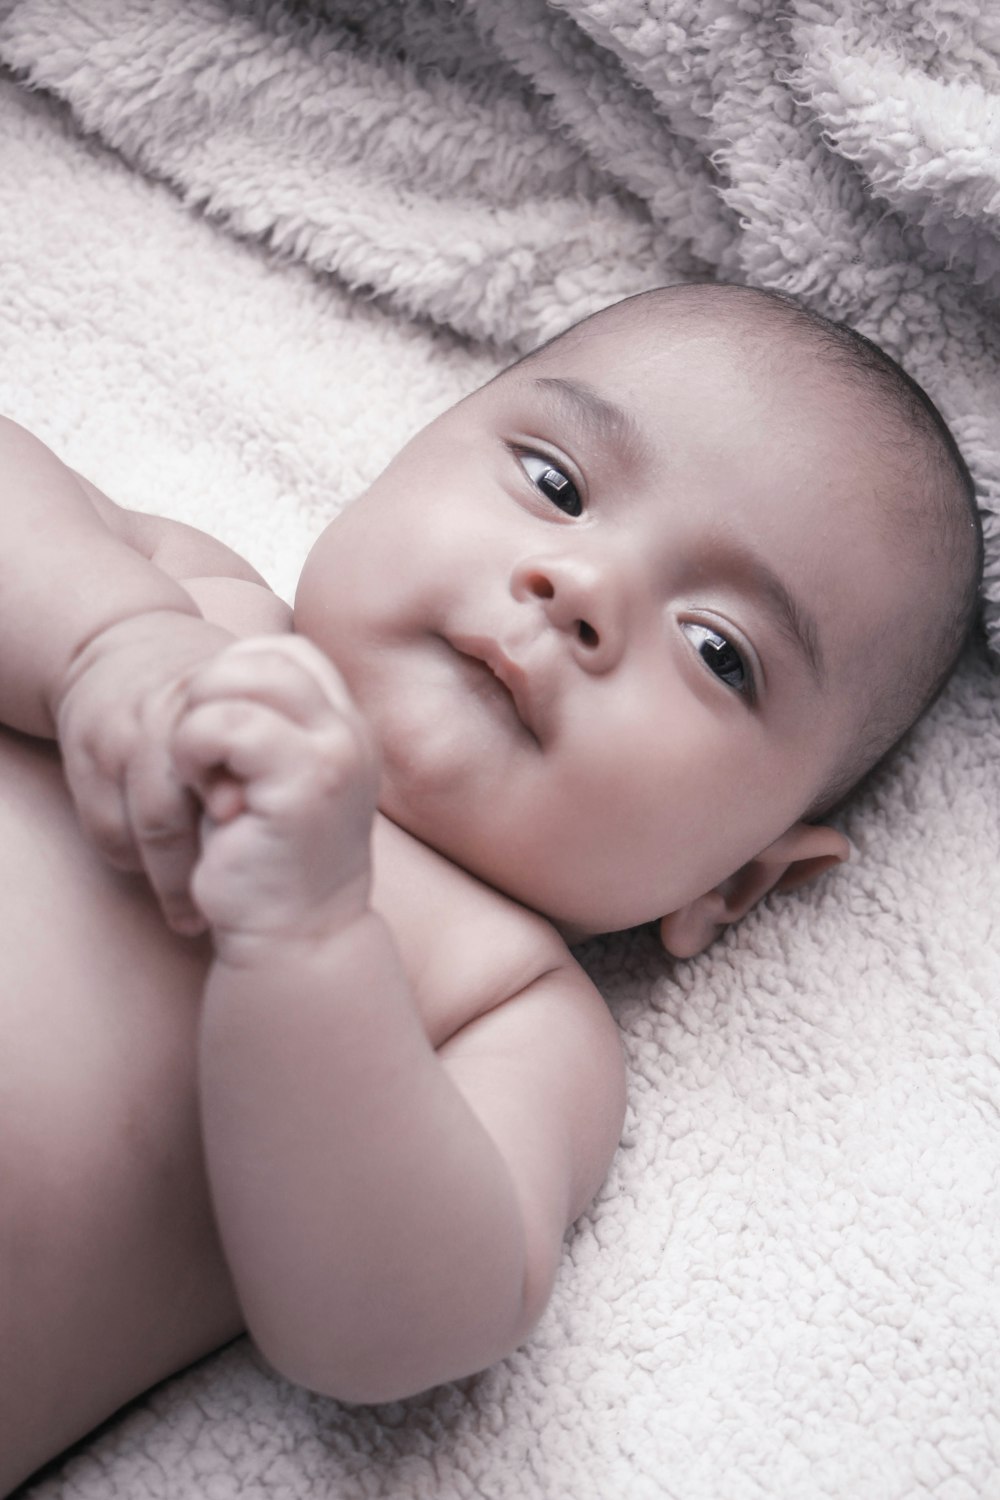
{"x": 789, "y": 1285}
{"x": 503, "y": 167}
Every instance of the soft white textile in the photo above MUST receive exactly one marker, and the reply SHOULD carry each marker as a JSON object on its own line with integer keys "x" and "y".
{"x": 505, "y": 166}
{"x": 788, "y": 1287}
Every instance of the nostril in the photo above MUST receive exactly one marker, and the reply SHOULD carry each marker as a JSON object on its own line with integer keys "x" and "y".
{"x": 588, "y": 635}
{"x": 541, "y": 586}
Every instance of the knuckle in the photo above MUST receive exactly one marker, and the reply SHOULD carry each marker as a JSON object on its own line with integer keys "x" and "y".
{"x": 160, "y": 833}
{"x": 122, "y": 858}
{"x": 159, "y": 810}
{"x": 341, "y": 753}
{"x": 181, "y": 914}
{"x": 91, "y": 749}
{"x": 263, "y": 653}
{"x": 113, "y": 840}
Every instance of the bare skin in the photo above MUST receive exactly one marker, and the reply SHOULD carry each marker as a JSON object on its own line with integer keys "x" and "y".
{"x": 113, "y": 1272}
{"x": 359, "y": 1120}
{"x": 115, "y": 1241}
{"x": 114, "y": 1276}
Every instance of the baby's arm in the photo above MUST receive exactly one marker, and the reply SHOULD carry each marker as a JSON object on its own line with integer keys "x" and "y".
{"x": 95, "y": 631}
{"x": 65, "y": 576}
{"x": 392, "y": 1216}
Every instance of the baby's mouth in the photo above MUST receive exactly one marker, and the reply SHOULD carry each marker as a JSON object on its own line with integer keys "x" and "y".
{"x": 496, "y": 669}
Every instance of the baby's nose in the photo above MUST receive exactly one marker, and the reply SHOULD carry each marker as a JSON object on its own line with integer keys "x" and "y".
{"x": 579, "y": 599}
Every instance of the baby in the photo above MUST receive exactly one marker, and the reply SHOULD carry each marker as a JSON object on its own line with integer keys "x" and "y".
{"x": 600, "y": 647}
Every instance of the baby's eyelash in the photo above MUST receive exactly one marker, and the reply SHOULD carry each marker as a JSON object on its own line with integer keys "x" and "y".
{"x": 551, "y": 481}
{"x": 722, "y": 658}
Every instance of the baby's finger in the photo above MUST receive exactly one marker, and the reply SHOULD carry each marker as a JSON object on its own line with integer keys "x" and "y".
{"x": 220, "y": 742}
{"x": 284, "y": 673}
{"x": 280, "y": 766}
{"x": 223, "y": 797}
{"x": 100, "y": 808}
{"x": 163, "y": 817}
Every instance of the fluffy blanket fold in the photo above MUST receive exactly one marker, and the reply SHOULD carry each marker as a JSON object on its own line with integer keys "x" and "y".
{"x": 788, "y": 1286}
{"x": 505, "y": 166}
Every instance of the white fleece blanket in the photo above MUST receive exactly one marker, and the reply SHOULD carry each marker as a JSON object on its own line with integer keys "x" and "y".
{"x": 503, "y": 167}
{"x": 788, "y": 1286}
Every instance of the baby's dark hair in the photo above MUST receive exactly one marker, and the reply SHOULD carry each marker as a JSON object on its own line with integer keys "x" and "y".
{"x": 933, "y": 506}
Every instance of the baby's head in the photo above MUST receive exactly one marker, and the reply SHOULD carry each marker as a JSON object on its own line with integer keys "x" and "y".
{"x": 631, "y": 618}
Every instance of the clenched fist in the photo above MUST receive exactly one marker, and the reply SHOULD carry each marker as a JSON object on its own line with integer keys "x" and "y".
{"x": 277, "y": 754}
{"x": 115, "y": 714}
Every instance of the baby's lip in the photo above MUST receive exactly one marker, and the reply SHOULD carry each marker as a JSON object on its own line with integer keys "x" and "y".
{"x": 509, "y": 673}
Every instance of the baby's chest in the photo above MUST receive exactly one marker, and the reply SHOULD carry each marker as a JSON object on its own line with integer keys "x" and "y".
{"x": 97, "y": 999}
{"x": 65, "y": 914}
{"x": 99, "y": 1013}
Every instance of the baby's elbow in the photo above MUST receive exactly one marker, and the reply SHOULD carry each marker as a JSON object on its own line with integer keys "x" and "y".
{"x": 359, "y": 1376}
{"x": 395, "y": 1364}
{"x": 364, "y": 1378}
{"x": 384, "y": 1344}
{"x": 362, "y": 1384}
{"x": 371, "y": 1377}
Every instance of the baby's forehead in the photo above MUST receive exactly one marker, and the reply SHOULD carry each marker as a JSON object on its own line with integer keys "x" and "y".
{"x": 787, "y": 436}
{"x": 764, "y": 354}
{"x": 698, "y": 384}
{"x": 821, "y": 412}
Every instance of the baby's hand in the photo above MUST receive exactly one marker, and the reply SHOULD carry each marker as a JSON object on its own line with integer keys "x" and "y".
{"x": 280, "y": 758}
{"x": 114, "y": 714}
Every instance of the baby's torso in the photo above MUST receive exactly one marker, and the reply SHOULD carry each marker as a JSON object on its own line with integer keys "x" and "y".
{"x": 111, "y": 1276}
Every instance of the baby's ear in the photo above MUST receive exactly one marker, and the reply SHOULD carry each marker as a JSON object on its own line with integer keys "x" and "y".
{"x": 805, "y": 851}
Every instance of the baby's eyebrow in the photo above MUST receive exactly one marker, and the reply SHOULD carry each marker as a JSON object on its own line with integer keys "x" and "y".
{"x": 795, "y": 621}
{"x": 599, "y": 417}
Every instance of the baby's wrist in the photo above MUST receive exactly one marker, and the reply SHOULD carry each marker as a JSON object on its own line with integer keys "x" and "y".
{"x": 291, "y": 942}
{"x": 173, "y": 623}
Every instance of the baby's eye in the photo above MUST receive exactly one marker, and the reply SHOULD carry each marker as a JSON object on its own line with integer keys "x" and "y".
{"x": 552, "y": 482}
{"x": 721, "y": 657}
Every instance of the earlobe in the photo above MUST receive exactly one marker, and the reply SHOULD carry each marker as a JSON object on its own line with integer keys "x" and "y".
{"x": 689, "y": 930}
{"x": 801, "y": 853}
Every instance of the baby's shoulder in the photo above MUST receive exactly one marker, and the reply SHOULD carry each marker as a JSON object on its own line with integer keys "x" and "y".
{"x": 240, "y": 605}
{"x": 466, "y": 948}
{"x": 226, "y": 588}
